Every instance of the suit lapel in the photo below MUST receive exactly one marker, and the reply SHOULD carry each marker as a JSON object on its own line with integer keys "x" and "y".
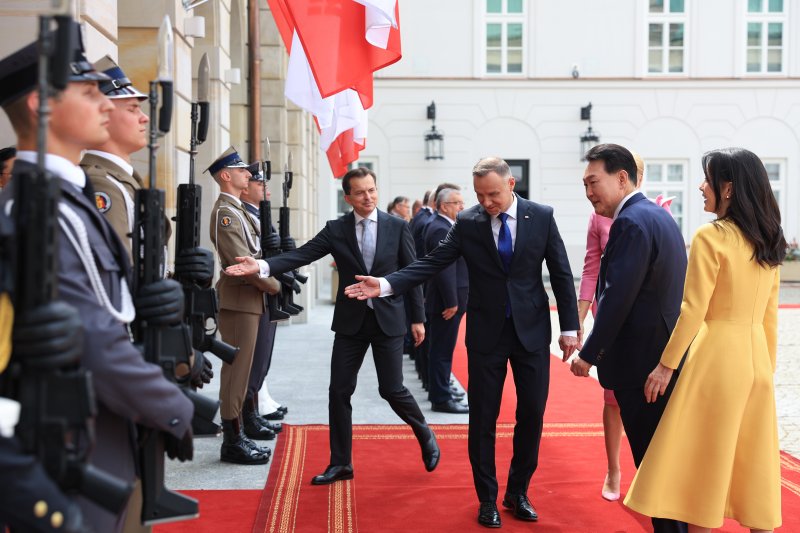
{"x": 484, "y": 223}
{"x": 349, "y": 223}
{"x": 524, "y": 228}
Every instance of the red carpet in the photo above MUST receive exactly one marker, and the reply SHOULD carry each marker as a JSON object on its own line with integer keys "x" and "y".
{"x": 392, "y": 492}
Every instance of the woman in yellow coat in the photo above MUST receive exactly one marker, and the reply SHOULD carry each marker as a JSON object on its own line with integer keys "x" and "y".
{"x": 715, "y": 453}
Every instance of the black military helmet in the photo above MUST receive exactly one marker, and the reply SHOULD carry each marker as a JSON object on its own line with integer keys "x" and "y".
{"x": 19, "y": 70}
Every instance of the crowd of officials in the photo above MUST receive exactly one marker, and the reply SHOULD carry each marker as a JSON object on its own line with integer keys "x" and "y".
{"x": 685, "y": 349}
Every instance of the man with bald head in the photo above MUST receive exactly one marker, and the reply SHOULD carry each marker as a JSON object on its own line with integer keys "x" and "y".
{"x": 504, "y": 241}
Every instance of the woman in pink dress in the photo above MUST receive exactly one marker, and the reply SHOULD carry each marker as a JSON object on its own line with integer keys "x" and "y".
{"x": 596, "y": 239}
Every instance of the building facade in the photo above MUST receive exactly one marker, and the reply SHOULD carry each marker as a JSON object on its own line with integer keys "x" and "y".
{"x": 670, "y": 79}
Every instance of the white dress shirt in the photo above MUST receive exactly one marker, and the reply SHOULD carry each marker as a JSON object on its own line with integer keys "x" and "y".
{"x": 61, "y": 167}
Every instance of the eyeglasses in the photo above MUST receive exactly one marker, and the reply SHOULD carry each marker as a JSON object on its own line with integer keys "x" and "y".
{"x": 459, "y": 202}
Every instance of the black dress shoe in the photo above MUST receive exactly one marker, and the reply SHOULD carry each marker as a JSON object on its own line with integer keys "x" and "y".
{"x": 274, "y": 415}
{"x": 457, "y": 395}
{"x": 488, "y": 516}
{"x": 333, "y": 473}
{"x": 253, "y": 428}
{"x": 522, "y": 507}
{"x": 430, "y": 453}
{"x": 450, "y": 406}
{"x": 283, "y": 409}
{"x": 238, "y": 449}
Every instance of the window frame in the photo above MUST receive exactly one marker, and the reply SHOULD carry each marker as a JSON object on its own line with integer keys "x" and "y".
{"x": 780, "y": 184}
{"x": 504, "y": 19}
{"x": 668, "y": 188}
{"x": 764, "y": 18}
{"x": 665, "y": 19}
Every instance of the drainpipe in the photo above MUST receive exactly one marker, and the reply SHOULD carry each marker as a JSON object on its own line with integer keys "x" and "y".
{"x": 254, "y": 82}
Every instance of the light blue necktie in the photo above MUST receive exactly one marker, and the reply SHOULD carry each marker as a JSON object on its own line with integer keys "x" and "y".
{"x": 367, "y": 244}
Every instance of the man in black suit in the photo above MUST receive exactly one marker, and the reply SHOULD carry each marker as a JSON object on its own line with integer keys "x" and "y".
{"x": 364, "y": 240}
{"x": 418, "y": 225}
{"x": 445, "y": 304}
{"x": 640, "y": 288}
{"x": 504, "y": 242}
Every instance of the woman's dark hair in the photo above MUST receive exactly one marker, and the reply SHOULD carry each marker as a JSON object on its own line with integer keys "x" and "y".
{"x": 753, "y": 207}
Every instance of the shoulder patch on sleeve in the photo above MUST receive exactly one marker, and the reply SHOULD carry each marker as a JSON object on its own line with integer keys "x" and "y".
{"x": 225, "y": 221}
{"x": 102, "y": 201}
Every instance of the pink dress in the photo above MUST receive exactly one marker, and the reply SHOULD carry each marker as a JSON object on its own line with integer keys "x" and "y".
{"x": 596, "y": 239}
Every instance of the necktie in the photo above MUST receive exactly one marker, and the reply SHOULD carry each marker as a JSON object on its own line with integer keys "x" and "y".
{"x": 504, "y": 246}
{"x": 367, "y": 244}
{"x": 506, "y": 251}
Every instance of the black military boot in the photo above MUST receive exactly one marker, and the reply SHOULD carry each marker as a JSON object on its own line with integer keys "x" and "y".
{"x": 238, "y": 449}
{"x": 251, "y": 402}
{"x": 252, "y": 425}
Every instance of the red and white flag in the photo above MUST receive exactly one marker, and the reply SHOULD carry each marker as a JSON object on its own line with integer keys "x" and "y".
{"x": 334, "y": 48}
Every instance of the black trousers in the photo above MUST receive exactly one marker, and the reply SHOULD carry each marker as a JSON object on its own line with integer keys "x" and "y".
{"x": 640, "y": 420}
{"x": 262, "y": 356}
{"x": 348, "y": 355}
{"x": 444, "y": 335}
{"x": 487, "y": 374}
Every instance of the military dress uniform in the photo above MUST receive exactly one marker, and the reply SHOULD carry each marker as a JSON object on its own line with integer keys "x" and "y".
{"x": 262, "y": 355}
{"x": 113, "y": 179}
{"x": 242, "y": 305}
{"x": 29, "y": 499}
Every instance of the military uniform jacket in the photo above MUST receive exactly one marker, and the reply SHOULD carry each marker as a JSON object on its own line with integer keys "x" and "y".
{"x": 234, "y": 234}
{"x": 128, "y": 389}
{"x": 114, "y": 193}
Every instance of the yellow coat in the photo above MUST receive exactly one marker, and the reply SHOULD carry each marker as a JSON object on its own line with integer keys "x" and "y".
{"x": 715, "y": 453}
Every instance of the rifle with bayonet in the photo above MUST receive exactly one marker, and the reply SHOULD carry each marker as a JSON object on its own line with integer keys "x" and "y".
{"x": 201, "y": 301}
{"x": 289, "y": 280}
{"x": 200, "y": 298}
{"x": 57, "y": 396}
{"x": 166, "y": 345}
{"x": 276, "y": 314}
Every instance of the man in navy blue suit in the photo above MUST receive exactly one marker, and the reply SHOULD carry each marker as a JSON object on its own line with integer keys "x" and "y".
{"x": 445, "y": 304}
{"x": 504, "y": 242}
{"x": 639, "y": 294}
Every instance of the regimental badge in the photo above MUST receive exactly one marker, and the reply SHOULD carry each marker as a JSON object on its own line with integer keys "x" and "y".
{"x": 102, "y": 201}
{"x": 225, "y": 222}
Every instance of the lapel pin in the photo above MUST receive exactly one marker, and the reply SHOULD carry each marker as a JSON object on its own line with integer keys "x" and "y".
{"x": 526, "y": 216}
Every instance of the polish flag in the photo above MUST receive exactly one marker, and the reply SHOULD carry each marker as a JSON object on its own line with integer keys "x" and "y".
{"x": 334, "y": 48}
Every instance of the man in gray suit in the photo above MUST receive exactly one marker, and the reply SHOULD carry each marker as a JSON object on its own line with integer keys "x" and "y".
{"x": 364, "y": 240}
{"x": 92, "y": 275}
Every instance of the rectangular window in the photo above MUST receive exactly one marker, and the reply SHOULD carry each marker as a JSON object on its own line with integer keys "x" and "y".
{"x": 666, "y": 36}
{"x": 765, "y": 37}
{"x": 505, "y": 36}
{"x": 669, "y": 180}
{"x": 776, "y": 171}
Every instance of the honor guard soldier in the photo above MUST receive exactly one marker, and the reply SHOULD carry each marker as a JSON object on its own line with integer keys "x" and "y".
{"x": 241, "y": 302}
{"x": 265, "y": 342}
{"x": 93, "y": 270}
{"x": 108, "y": 165}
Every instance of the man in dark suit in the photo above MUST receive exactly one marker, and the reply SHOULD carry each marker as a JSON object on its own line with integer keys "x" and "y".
{"x": 445, "y": 304}
{"x": 418, "y": 225}
{"x": 93, "y": 275}
{"x": 369, "y": 241}
{"x": 504, "y": 241}
{"x": 640, "y": 287}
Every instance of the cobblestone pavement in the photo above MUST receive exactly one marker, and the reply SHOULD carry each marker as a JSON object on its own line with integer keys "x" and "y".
{"x": 787, "y": 373}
